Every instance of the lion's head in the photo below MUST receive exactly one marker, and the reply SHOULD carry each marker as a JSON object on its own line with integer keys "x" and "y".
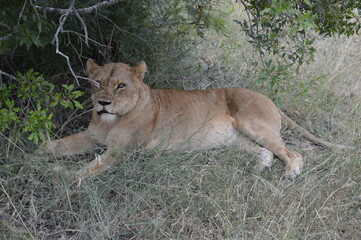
{"x": 115, "y": 91}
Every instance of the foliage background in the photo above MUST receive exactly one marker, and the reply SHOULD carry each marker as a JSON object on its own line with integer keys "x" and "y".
{"x": 261, "y": 45}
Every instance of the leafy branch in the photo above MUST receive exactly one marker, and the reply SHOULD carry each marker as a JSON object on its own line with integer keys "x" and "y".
{"x": 27, "y": 104}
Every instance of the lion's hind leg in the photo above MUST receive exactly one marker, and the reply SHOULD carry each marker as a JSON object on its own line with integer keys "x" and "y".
{"x": 271, "y": 139}
{"x": 265, "y": 156}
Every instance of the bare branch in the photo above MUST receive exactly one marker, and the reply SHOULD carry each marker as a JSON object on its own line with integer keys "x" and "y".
{"x": 7, "y": 74}
{"x": 87, "y": 10}
{"x": 62, "y": 20}
{"x": 7, "y": 28}
{"x": 90, "y": 80}
{"x": 60, "y": 29}
{"x": 6, "y": 37}
{"x": 124, "y": 31}
{"x": 81, "y": 36}
{"x": 85, "y": 28}
{"x": 21, "y": 13}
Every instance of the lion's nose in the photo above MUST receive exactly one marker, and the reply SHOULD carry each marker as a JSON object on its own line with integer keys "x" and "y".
{"x": 104, "y": 103}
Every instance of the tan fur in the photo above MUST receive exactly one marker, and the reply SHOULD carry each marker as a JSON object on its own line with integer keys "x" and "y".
{"x": 129, "y": 116}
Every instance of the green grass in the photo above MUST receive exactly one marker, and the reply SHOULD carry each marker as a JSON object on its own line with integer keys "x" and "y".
{"x": 213, "y": 194}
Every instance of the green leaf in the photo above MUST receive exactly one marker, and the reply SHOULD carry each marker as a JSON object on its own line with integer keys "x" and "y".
{"x": 36, "y": 138}
{"x": 77, "y": 94}
{"x": 42, "y": 136}
{"x": 294, "y": 30}
{"x": 10, "y": 103}
{"x": 31, "y": 136}
{"x": 308, "y": 3}
{"x": 68, "y": 87}
{"x": 53, "y": 104}
{"x": 78, "y": 104}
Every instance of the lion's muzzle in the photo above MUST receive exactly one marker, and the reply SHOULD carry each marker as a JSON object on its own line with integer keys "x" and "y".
{"x": 104, "y": 103}
{"x": 103, "y": 111}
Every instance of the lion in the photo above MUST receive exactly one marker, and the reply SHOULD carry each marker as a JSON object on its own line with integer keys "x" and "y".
{"x": 128, "y": 114}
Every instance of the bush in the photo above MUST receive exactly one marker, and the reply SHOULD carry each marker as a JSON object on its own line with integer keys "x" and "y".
{"x": 27, "y": 105}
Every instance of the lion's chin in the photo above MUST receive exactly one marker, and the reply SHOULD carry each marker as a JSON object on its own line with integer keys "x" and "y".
{"x": 108, "y": 117}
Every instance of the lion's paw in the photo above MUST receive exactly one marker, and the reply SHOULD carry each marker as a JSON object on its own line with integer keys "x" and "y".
{"x": 60, "y": 170}
{"x": 294, "y": 167}
{"x": 263, "y": 168}
{"x": 46, "y": 148}
{"x": 293, "y": 173}
{"x": 265, "y": 161}
{"x": 71, "y": 176}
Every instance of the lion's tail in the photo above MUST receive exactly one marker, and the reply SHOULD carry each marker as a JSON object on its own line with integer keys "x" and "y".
{"x": 293, "y": 125}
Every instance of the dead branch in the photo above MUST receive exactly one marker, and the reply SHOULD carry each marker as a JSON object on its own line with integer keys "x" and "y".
{"x": 62, "y": 20}
{"x": 7, "y": 75}
{"x": 124, "y": 31}
{"x": 84, "y": 27}
{"x": 83, "y": 37}
{"x": 7, "y": 28}
{"x": 87, "y": 10}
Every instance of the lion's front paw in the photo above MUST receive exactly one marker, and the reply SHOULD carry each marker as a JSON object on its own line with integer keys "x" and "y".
{"x": 60, "y": 170}
{"x": 72, "y": 176}
{"x": 46, "y": 148}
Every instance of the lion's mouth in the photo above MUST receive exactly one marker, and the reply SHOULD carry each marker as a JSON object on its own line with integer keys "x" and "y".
{"x": 103, "y": 111}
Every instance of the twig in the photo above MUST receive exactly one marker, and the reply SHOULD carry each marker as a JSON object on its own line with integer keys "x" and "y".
{"x": 60, "y": 29}
{"x": 89, "y": 39}
{"x": 7, "y": 74}
{"x": 5, "y": 26}
{"x": 6, "y": 37}
{"x": 84, "y": 26}
{"x": 89, "y": 79}
{"x": 62, "y": 20}
{"x": 86, "y": 10}
{"x": 124, "y": 31}
{"x": 21, "y": 14}
{"x": 39, "y": 19}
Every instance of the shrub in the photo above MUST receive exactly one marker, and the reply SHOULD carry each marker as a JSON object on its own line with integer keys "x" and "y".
{"x": 27, "y": 105}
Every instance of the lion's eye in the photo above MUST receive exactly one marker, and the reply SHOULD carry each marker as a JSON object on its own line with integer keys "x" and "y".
{"x": 121, "y": 86}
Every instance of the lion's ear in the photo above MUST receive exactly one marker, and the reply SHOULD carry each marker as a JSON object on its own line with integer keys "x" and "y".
{"x": 91, "y": 66}
{"x": 140, "y": 70}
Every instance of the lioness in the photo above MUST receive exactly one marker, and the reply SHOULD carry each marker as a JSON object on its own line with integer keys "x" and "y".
{"x": 128, "y": 114}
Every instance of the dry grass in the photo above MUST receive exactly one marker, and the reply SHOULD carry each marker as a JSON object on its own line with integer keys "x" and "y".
{"x": 212, "y": 194}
